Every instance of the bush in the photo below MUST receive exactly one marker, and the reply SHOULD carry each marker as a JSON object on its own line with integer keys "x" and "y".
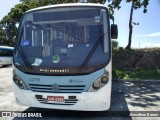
{"x": 114, "y": 44}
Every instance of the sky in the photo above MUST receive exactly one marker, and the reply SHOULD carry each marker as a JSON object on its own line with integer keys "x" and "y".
{"x": 6, "y": 5}
{"x": 146, "y": 34}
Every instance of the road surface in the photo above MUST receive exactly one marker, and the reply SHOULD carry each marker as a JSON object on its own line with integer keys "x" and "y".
{"x": 131, "y": 98}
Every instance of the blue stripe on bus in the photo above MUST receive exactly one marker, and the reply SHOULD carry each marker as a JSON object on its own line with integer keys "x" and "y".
{"x": 6, "y": 56}
{"x": 6, "y": 48}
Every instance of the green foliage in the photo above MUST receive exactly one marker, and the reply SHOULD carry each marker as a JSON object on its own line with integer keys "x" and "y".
{"x": 16, "y": 13}
{"x": 114, "y": 46}
{"x": 14, "y": 16}
{"x": 3, "y": 40}
{"x": 142, "y": 74}
{"x": 139, "y": 3}
{"x": 113, "y": 5}
{"x": 10, "y": 21}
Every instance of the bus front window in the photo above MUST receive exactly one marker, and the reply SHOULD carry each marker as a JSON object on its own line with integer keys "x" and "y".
{"x": 64, "y": 37}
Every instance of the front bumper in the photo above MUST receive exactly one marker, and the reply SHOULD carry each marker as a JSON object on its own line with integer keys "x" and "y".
{"x": 85, "y": 101}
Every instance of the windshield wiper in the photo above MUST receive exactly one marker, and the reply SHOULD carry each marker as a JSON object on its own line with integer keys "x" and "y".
{"x": 85, "y": 62}
{"x": 24, "y": 57}
{"x": 21, "y": 51}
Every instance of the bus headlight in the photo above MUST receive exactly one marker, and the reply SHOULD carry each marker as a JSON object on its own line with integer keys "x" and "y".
{"x": 106, "y": 73}
{"x": 15, "y": 78}
{"x": 96, "y": 85}
{"x": 99, "y": 83}
{"x": 104, "y": 79}
{"x": 19, "y": 82}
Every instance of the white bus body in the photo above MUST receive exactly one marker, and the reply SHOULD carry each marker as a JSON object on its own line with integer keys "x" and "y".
{"x": 62, "y": 58}
{"x": 6, "y": 55}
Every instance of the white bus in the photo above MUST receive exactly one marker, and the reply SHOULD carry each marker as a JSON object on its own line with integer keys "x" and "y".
{"x": 62, "y": 58}
{"x": 6, "y": 55}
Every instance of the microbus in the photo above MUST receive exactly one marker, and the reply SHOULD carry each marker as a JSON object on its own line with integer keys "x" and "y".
{"x": 63, "y": 58}
{"x": 6, "y": 55}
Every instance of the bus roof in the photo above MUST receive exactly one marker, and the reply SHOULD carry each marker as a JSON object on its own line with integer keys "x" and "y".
{"x": 67, "y": 4}
{"x": 6, "y": 47}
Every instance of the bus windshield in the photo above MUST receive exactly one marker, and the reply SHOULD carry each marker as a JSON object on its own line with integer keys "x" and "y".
{"x": 64, "y": 37}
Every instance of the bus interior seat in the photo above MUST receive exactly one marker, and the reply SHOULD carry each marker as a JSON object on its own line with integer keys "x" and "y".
{"x": 33, "y": 51}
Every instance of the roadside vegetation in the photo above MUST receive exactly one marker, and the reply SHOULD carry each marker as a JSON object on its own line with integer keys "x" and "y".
{"x": 11, "y": 20}
{"x": 135, "y": 64}
{"x": 142, "y": 74}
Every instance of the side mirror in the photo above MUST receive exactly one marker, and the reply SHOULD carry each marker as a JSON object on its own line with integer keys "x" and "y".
{"x": 114, "y": 31}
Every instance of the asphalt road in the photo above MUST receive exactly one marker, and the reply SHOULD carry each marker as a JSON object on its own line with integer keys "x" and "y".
{"x": 131, "y": 98}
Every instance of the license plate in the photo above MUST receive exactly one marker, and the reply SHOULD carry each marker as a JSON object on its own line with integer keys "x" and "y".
{"x": 55, "y": 98}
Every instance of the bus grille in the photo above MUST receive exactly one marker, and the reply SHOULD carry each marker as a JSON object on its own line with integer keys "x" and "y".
{"x": 61, "y": 88}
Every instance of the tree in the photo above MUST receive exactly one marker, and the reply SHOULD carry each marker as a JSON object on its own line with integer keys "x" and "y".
{"x": 16, "y": 13}
{"x": 136, "y": 4}
{"x": 114, "y": 44}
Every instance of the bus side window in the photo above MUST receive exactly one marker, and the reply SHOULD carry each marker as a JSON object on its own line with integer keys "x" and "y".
{"x": 0, "y": 52}
{"x": 3, "y": 52}
{"x": 10, "y": 52}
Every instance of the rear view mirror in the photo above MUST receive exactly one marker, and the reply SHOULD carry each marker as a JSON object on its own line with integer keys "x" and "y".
{"x": 114, "y": 31}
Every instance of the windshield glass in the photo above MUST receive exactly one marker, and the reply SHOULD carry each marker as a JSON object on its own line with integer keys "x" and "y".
{"x": 64, "y": 37}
